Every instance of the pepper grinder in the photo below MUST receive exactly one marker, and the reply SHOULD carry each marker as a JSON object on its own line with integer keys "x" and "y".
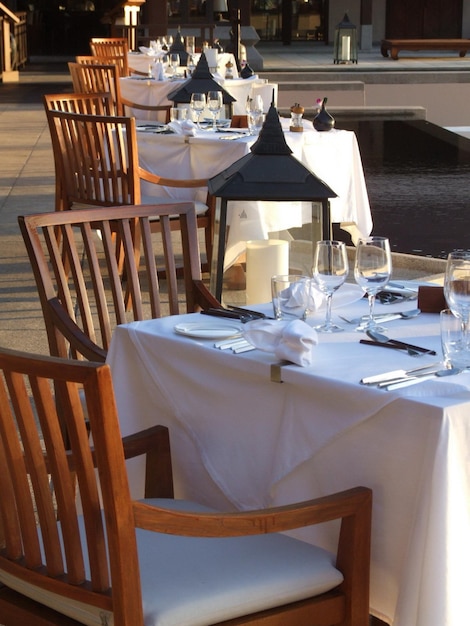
{"x": 296, "y": 112}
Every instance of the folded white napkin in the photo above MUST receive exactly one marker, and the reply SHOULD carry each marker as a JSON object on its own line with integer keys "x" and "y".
{"x": 158, "y": 71}
{"x": 186, "y": 127}
{"x": 289, "y": 340}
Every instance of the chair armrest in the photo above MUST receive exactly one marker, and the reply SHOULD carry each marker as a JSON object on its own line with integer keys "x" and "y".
{"x": 147, "y": 107}
{"x": 203, "y": 297}
{"x": 356, "y": 502}
{"x": 154, "y": 442}
{"x": 150, "y": 177}
{"x": 79, "y": 341}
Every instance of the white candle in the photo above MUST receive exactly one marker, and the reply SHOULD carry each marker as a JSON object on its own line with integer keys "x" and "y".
{"x": 264, "y": 259}
{"x": 345, "y": 48}
{"x": 211, "y": 56}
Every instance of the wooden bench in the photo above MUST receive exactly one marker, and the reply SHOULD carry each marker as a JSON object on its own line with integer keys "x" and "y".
{"x": 395, "y": 45}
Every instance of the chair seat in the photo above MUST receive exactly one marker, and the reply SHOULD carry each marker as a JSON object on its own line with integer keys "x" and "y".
{"x": 204, "y": 581}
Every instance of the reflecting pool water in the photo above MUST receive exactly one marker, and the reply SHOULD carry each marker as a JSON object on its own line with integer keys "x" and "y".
{"x": 417, "y": 176}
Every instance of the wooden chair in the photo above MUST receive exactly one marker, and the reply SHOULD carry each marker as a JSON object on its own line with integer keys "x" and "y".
{"x": 96, "y": 268}
{"x": 120, "y": 61}
{"x": 91, "y": 76}
{"x": 116, "y": 48}
{"x": 158, "y": 560}
{"x": 97, "y": 164}
{"x": 90, "y": 104}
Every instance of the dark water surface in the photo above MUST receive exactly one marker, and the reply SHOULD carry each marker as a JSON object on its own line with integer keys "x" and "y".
{"x": 418, "y": 179}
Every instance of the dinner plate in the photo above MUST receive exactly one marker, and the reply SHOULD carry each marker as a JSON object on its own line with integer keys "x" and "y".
{"x": 200, "y": 330}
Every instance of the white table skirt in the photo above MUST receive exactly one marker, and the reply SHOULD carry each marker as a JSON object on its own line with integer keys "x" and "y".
{"x": 333, "y": 156}
{"x": 148, "y": 91}
{"x": 240, "y": 440}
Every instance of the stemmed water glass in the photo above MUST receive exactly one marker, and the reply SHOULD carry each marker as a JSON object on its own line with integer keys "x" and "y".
{"x": 330, "y": 270}
{"x": 198, "y": 104}
{"x": 175, "y": 62}
{"x": 254, "y": 112}
{"x": 457, "y": 288}
{"x": 214, "y": 104}
{"x": 372, "y": 271}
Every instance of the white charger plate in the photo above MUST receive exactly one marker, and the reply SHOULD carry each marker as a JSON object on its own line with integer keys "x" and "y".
{"x": 200, "y": 330}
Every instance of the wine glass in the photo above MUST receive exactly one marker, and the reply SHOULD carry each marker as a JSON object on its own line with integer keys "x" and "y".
{"x": 198, "y": 104}
{"x": 372, "y": 271}
{"x": 330, "y": 270}
{"x": 457, "y": 287}
{"x": 175, "y": 62}
{"x": 214, "y": 104}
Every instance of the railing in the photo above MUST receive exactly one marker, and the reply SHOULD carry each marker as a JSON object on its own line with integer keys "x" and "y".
{"x": 13, "y": 40}
{"x": 21, "y": 41}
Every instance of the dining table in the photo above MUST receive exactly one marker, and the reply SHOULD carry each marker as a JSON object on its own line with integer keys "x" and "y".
{"x": 150, "y": 91}
{"x": 249, "y": 431}
{"x": 333, "y": 156}
{"x": 140, "y": 61}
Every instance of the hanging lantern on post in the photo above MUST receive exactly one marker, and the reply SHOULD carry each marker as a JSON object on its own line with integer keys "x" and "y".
{"x": 345, "y": 43}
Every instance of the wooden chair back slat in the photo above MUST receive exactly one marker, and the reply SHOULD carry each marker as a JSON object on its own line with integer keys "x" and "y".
{"x": 97, "y": 78}
{"x": 44, "y": 476}
{"x": 107, "y": 266}
{"x": 21, "y": 536}
{"x": 96, "y": 158}
{"x": 86, "y": 103}
{"x": 115, "y": 48}
{"x": 118, "y": 60}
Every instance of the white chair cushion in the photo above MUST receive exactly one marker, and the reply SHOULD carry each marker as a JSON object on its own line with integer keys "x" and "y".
{"x": 207, "y": 580}
{"x": 189, "y": 581}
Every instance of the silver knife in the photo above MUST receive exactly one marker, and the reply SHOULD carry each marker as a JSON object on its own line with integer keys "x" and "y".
{"x": 397, "y": 374}
{"x": 420, "y": 378}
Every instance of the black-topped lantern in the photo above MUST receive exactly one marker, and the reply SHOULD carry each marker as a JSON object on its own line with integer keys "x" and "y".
{"x": 269, "y": 173}
{"x": 345, "y": 43}
{"x": 201, "y": 81}
{"x": 179, "y": 48}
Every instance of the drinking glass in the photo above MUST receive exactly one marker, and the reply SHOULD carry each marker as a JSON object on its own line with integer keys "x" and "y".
{"x": 291, "y": 296}
{"x": 255, "y": 113}
{"x": 198, "y": 104}
{"x": 454, "y": 343}
{"x": 214, "y": 104}
{"x": 330, "y": 270}
{"x": 175, "y": 62}
{"x": 457, "y": 287}
{"x": 177, "y": 115}
{"x": 372, "y": 271}
{"x": 190, "y": 45}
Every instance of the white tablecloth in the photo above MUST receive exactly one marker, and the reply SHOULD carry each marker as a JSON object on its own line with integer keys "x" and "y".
{"x": 333, "y": 156}
{"x": 150, "y": 91}
{"x": 240, "y": 440}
